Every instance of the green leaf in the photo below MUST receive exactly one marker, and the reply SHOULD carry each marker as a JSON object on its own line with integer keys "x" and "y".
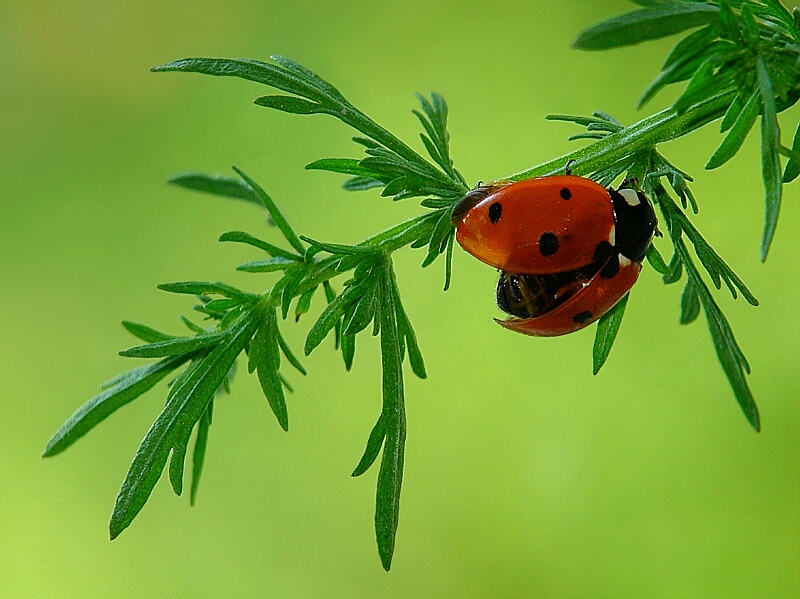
{"x": 698, "y": 87}
{"x": 770, "y": 160}
{"x": 202, "y": 288}
{"x": 304, "y": 303}
{"x": 192, "y": 326}
{"x": 691, "y": 45}
{"x": 407, "y": 336}
{"x": 641, "y": 25}
{"x": 348, "y": 351}
{"x": 252, "y": 70}
{"x": 731, "y": 114}
{"x": 290, "y": 104}
{"x": 129, "y": 386}
{"x": 676, "y": 270}
{"x": 737, "y": 134}
{"x": 199, "y": 454}
{"x": 145, "y": 333}
{"x": 345, "y": 166}
{"x": 274, "y": 212}
{"x": 732, "y": 360}
{"x": 269, "y": 265}
{"x": 174, "y": 347}
{"x": 265, "y": 356}
{"x": 330, "y": 295}
{"x": 361, "y": 184}
{"x": 221, "y": 306}
{"x": 655, "y": 260}
{"x": 246, "y": 238}
{"x": 291, "y": 77}
{"x": 307, "y": 75}
{"x": 184, "y": 409}
{"x": 390, "y": 476}
{"x": 339, "y": 248}
{"x": 607, "y": 329}
{"x": 374, "y": 444}
{"x": 330, "y": 316}
{"x": 228, "y": 187}
{"x": 448, "y": 263}
{"x": 287, "y": 351}
{"x": 690, "y": 303}
{"x": 793, "y": 166}
{"x": 177, "y": 464}
{"x": 365, "y": 308}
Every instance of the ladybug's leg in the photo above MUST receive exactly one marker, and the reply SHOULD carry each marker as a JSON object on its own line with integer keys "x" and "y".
{"x": 567, "y": 167}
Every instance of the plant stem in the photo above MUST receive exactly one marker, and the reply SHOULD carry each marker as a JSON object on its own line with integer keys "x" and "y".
{"x": 643, "y": 135}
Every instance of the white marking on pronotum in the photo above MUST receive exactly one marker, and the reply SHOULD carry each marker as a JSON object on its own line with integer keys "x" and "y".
{"x": 612, "y": 237}
{"x": 631, "y": 197}
{"x": 623, "y": 261}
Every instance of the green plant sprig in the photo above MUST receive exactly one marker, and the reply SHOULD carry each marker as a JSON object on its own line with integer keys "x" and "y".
{"x": 739, "y": 65}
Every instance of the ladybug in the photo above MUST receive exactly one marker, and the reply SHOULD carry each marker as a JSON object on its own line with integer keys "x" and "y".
{"x": 567, "y": 248}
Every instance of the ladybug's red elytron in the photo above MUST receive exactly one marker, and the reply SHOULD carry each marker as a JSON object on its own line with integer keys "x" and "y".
{"x": 568, "y": 249}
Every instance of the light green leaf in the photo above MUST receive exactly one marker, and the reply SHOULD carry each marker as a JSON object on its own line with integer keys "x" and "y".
{"x": 229, "y": 187}
{"x": 304, "y": 303}
{"x": 264, "y": 354}
{"x": 361, "y": 184}
{"x": 345, "y": 166}
{"x": 655, "y": 260}
{"x": 330, "y": 316}
{"x": 274, "y": 212}
{"x": 246, "y": 238}
{"x": 793, "y": 166}
{"x": 199, "y": 454}
{"x": 607, "y": 329}
{"x": 290, "y": 104}
{"x": 173, "y": 347}
{"x": 348, "y": 351}
{"x": 737, "y": 134}
{"x": 638, "y": 26}
{"x": 770, "y": 160}
{"x": 364, "y": 309}
{"x": 269, "y": 265}
{"x": 202, "y": 288}
{"x": 731, "y": 114}
{"x": 690, "y": 303}
{"x": 145, "y": 333}
{"x": 390, "y": 476}
{"x": 184, "y": 409}
{"x": 374, "y": 444}
{"x": 129, "y": 386}
{"x": 287, "y": 351}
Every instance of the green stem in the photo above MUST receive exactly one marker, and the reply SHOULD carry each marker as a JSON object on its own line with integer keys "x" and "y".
{"x": 647, "y": 133}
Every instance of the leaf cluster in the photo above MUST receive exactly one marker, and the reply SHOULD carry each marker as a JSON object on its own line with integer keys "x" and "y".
{"x": 747, "y": 49}
{"x": 249, "y": 323}
{"x": 649, "y": 168}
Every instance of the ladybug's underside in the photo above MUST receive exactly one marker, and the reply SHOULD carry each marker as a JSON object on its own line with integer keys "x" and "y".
{"x": 548, "y": 305}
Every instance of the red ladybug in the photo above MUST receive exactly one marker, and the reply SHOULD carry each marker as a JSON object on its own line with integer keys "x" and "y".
{"x": 568, "y": 249}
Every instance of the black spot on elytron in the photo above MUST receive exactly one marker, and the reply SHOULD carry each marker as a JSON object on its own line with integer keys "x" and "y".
{"x": 603, "y": 251}
{"x": 495, "y": 210}
{"x": 611, "y": 268}
{"x": 548, "y": 244}
{"x": 582, "y": 317}
{"x": 566, "y": 194}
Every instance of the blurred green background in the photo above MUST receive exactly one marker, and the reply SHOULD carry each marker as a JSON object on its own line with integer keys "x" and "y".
{"x": 525, "y": 475}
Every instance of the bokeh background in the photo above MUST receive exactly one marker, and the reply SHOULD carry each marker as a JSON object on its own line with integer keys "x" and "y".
{"x": 525, "y": 475}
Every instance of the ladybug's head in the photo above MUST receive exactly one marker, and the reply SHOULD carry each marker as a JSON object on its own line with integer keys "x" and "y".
{"x": 469, "y": 201}
{"x": 476, "y": 219}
